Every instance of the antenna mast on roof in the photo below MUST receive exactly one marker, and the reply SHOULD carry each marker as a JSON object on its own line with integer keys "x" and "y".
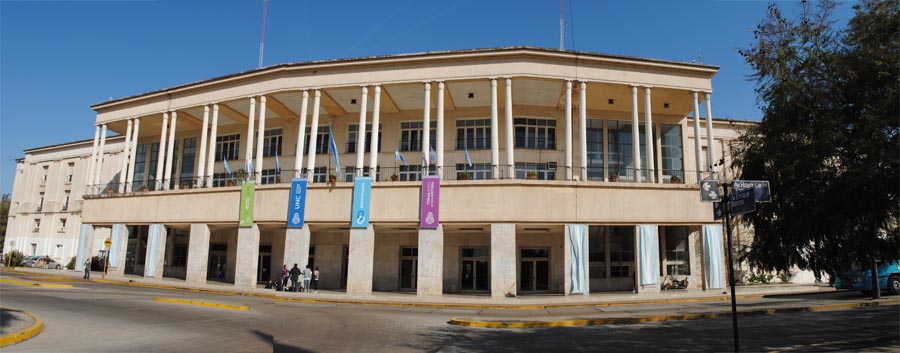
{"x": 562, "y": 27}
{"x": 262, "y": 39}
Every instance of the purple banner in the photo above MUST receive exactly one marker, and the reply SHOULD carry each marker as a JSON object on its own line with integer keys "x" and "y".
{"x": 431, "y": 202}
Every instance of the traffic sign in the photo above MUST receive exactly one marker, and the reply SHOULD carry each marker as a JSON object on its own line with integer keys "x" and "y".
{"x": 709, "y": 190}
{"x": 743, "y": 201}
{"x": 718, "y": 211}
{"x": 107, "y": 242}
{"x": 760, "y": 189}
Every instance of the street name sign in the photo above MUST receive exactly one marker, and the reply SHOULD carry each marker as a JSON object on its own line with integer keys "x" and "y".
{"x": 743, "y": 201}
{"x": 760, "y": 189}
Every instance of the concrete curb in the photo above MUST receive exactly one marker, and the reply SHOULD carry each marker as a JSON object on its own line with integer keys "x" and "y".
{"x": 32, "y": 284}
{"x": 202, "y": 303}
{"x": 521, "y": 324}
{"x": 25, "y": 334}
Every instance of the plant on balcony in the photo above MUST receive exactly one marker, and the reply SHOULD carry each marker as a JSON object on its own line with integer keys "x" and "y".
{"x": 144, "y": 188}
{"x": 230, "y": 182}
{"x": 332, "y": 179}
{"x": 531, "y": 175}
{"x": 463, "y": 176}
{"x": 395, "y": 177}
{"x": 614, "y": 177}
{"x": 675, "y": 180}
{"x": 184, "y": 186}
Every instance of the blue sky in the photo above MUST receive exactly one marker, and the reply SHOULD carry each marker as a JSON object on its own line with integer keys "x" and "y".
{"x": 59, "y": 57}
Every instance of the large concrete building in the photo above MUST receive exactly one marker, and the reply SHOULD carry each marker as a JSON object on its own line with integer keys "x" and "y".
{"x": 560, "y": 172}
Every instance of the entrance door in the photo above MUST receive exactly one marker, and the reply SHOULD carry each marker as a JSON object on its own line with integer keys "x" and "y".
{"x": 474, "y": 270}
{"x": 218, "y": 259}
{"x": 264, "y": 266}
{"x": 534, "y": 270}
{"x": 344, "y": 262}
{"x": 409, "y": 262}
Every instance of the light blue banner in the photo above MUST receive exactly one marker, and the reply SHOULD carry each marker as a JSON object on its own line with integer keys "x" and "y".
{"x": 152, "y": 250}
{"x": 359, "y": 213}
{"x": 116, "y": 238}
{"x": 297, "y": 203}
{"x": 578, "y": 251}
{"x": 712, "y": 255}
{"x": 649, "y": 246}
{"x": 82, "y": 244}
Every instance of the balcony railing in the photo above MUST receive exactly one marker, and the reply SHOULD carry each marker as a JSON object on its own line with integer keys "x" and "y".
{"x": 530, "y": 172}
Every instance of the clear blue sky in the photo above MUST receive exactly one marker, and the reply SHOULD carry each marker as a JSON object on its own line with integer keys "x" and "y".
{"x": 59, "y": 57}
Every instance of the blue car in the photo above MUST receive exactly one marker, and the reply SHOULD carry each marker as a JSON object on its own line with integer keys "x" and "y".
{"x": 860, "y": 279}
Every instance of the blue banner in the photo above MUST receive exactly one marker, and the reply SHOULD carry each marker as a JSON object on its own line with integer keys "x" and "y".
{"x": 297, "y": 203}
{"x": 359, "y": 213}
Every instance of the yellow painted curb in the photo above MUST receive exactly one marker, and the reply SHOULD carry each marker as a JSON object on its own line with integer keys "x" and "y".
{"x": 520, "y": 324}
{"x": 32, "y": 284}
{"x": 25, "y": 334}
{"x": 200, "y": 303}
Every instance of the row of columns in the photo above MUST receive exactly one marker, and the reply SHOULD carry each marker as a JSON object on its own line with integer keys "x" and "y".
{"x": 205, "y": 170}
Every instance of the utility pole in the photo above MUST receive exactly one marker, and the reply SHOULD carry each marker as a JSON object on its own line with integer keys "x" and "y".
{"x": 726, "y": 204}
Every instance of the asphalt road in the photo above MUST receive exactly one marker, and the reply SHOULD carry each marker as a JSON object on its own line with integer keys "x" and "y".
{"x": 94, "y": 317}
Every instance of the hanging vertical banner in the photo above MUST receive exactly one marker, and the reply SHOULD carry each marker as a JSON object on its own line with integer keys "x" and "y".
{"x": 429, "y": 216}
{"x": 116, "y": 238}
{"x": 248, "y": 192}
{"x": 577, "y": 251}
{"x": 712, "y": 256}
{"x": 297, "y": 203}
{"x": 648, "y": 243}
{"x": 152, "y": 249}
{"x": 359, "y": 213}
{"x": 82, "y": 254}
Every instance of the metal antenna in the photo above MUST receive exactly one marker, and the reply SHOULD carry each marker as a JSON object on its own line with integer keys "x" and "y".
{"x": 262, "y": 39}
{"x": 562, "y": 27}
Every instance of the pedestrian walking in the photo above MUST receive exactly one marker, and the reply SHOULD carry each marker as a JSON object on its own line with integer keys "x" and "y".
{"x": 285, "y": 274}
{"x": 315, "y": 281}
{"x": 87, "y": 268}
{"x": 295, "y": 273}
{"x": 307, "y": 277}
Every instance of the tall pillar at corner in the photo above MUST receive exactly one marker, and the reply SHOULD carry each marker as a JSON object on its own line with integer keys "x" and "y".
{"x": 361, "y": 260}
{"x": 156, "y": 251}
{"x": 430, "y": 271}
{"x": 503, "y": 260}
{"x": 296, "y": 246}
{"x": 198, "y": 254}
{"x": 247, "y": 262}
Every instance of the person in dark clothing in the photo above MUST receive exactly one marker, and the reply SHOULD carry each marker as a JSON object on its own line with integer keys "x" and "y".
{"x": 295, "y": 274}
{"x": 315, "y": 280}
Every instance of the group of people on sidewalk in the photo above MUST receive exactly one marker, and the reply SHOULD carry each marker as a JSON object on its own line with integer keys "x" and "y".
{"x": 304, "y": 280}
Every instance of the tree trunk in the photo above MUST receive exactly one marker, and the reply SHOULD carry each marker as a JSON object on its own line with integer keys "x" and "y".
{"x": 876, "y": 291}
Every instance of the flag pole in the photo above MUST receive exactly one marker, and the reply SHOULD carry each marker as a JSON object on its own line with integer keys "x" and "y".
{"x": 262, "y": 39}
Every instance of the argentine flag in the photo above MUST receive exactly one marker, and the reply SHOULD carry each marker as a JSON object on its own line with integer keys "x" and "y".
{"x": 277, "y": 163}
{"x": 227, "y": 168}
{"x": 433, "y": 156}
{"x": 334, "y": 151}
{"x": 399, "y": 157}
{"x": 468, "y": 159}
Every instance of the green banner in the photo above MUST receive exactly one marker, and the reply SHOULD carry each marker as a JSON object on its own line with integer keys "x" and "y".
{"x": 248, "y": 192}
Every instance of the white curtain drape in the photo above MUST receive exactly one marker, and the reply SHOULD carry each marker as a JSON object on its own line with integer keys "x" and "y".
{"x": 649, "y": 251}
{"x": 712, "y": 256}
{"x": 577, "y": 253}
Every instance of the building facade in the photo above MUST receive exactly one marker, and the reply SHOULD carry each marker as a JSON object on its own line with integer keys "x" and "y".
{"x": 560, "y": 172}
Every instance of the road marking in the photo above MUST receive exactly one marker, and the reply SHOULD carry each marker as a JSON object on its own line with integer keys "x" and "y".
{"x": 25, "y": 334}
{"x": 202, "y": 303}
{"x": 32, "y": 284}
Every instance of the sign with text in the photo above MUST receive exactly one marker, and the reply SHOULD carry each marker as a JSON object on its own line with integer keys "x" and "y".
{"x": 429, "y": 216}
{"x": 297, "y": 203}
{"x": 248, "y": 192}
{"x": 709, "y": 190}
{"x": 362, "y": 193}
{"x": 743, "y": 201}
{"x": 760, "y": 189}
{"x": 718, "y": 210}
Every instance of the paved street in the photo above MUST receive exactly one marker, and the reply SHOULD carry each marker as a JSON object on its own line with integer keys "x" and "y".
{"x": 96, "y": 317}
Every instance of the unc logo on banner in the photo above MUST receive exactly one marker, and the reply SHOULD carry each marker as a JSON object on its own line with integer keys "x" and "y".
{"x": 297, "y": 203}
{"x": 359, "y": 213}
{"x": 248, "y": 191}
{"x": 431, "y": 201}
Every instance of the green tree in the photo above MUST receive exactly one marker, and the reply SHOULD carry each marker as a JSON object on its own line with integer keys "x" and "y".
{"x": 828, "y": 140}
{"x": 4, "y": 215}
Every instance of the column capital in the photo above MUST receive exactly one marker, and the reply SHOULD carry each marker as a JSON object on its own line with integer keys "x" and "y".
{"x": 215, "y": 106}
{"x": 364, "y": 88}
{"x": 262, "y": 98}
{"x": 378, "y": 88}
{"x": 305, "y": 93}
{"x": 205, "y": 108}
{"x": 440, "y": 84}
{"x": 318, "y": 92}
{"x": 568, "y": 84}
{"x": 647, "y": 88}
{"x": 427, "y": 83}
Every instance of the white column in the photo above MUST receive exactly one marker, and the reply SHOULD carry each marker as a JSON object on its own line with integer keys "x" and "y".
{"x": 495, "y": 126}
{"x": 98, "y": 176}
{"x": 261, "y": 134}
{"x": 198, "y": 254}
{"x": 246, "y": 262}
{"x": 170, "y": 152}
{"x": 440, "y": 131}
{"x": 301, "y": 135}
{"x": 426, "y": 129}
{"x": 635, "y": 135}
{"x": 510, "y": 146}
{"x": 710, "y": 153}
{"x": 361, "y": 262}
{"x": 373, "y": 145}
{"x": 125, "y": 156}
{"x": 211, "y": 162}
{"x": 361, "y": 133}
{"x": 248, "y": 153}
{"x": 430, "y": 267}
{"x": 201, "y": 161}
{"x": 503, "y": 260}
{"x": 313, "y": 133}
{"x": 648, "y": 134}
{"x": 161, "y": 153}
{"x": 568, "y": 152}
{"x": 697, "y": 149}
{"x": 582, "y": 129}
{"x": 129, "y": 173}
{"x": 93, "y": 162}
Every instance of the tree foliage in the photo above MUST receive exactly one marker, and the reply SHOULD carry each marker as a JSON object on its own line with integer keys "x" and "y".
{"x": 828, "y": 140}
{"x": 4, "y": 214}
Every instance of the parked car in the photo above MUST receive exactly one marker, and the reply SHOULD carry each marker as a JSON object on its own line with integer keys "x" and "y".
{"x": 40, "y": 261}
{"x": 860, "y": 279}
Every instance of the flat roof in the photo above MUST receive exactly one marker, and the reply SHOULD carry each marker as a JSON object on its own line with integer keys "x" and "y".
{"x": 574, "y": 53}
{"x": 72, "y": 143}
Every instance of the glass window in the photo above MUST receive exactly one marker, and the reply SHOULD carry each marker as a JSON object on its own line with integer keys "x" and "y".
{"x": 40, "y": 205}
{"x": 62, "y": 225}
{"x": 676, "y": 258}
{"x": 187, "y": 160}
{"x": 474, "y": 134}
{"x": 69, "y": 172}
{"x": 595, "y": 149}
{"x": 535, "y": 133}
{"x": 272, "y": 142}
{"x": 140, "y": 163}
{"x": 270, "y": 176}
{"x": 353, "y": 130}
{"x": 621, "y": 153}
{"x": 478, "y": 171}
{"x": 597, "y": 251}
{"x": 154, "y": 156}
{"x": 227, "y": 146}
{"x": 320, "y": 174}
{"x": 65, "y": 205}
{"x": 621, "y": 251}
{"x": 37, "y": 226}
{"x": 322, "y": 140}
{"x": 539, "y": 171}
{"x": 672, "y": 152}
{"x": 410, "y": 172}
{"x": 44, "y": 173}
{"x": 411, "y": 135}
